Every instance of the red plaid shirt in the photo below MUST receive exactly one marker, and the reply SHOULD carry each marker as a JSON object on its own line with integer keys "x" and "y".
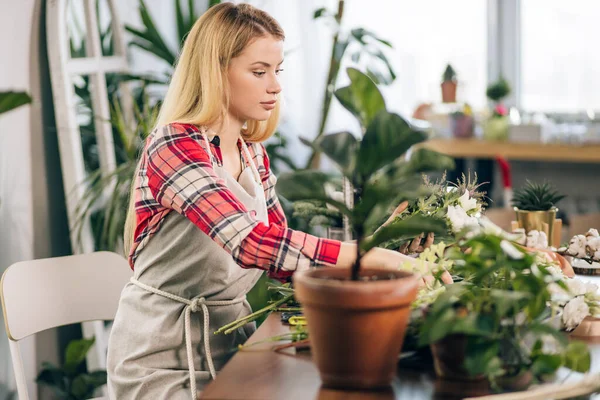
{"x": 176, "y": 174}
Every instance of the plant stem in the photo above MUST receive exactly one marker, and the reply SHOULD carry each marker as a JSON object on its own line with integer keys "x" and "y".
{"x": 359, "y": 240}
{"x": 243, "y": 321}
{"x": 334, "y": 67}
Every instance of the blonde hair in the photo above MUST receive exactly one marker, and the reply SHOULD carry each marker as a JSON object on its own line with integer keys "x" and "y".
{"x": 199, "y": 89}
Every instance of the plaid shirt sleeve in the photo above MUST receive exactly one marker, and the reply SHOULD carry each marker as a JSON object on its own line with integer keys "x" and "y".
{"x": 181, "y": 177}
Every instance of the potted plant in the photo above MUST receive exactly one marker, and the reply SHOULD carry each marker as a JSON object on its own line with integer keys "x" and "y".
{"x": 448, "y": 85}
{"x": 370, "y": 307}
{"x": 496, "y": 127}
{"x": 496, "y": 323}
{"x": 535, "y": 206}
{"x": 70, "y": 381}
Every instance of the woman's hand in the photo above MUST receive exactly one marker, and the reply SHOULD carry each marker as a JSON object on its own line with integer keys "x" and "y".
{"x": 412, "y": 246}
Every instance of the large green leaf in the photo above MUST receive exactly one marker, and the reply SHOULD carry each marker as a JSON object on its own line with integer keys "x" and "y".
{"x": 76, "y": 352}
{"x": 307, "y": 185}
{"x": 387, "y": 138}
{"x": 340, "y": 148}
{"x": 411, "y": 226}
{"x": 425, "y": 160}
{"x": 362, "y": 97}
{"x": 11, "y": 100}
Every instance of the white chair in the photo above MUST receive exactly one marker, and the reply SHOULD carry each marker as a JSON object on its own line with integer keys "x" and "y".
{"x": 43, "y": 294}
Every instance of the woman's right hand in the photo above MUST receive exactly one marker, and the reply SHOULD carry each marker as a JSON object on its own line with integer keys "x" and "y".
{"x": 382, "y": 258}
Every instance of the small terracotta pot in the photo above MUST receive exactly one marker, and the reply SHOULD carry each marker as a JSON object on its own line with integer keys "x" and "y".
{"x": 356, "y": 328}
{"x": 448, "y": 92}
{"x": 449, "y": 358}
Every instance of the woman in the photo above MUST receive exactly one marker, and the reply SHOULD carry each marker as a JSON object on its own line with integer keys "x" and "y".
{"x": 205, "y": 222}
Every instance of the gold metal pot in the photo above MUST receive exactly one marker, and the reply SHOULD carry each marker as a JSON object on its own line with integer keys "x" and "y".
{"x": 537, "y": 220}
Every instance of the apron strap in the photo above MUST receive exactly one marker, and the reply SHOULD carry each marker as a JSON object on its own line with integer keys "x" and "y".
{"x": 194, "y": 305}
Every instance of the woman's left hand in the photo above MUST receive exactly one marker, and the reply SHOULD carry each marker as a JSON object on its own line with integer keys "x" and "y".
{"x": 415, "y": 245}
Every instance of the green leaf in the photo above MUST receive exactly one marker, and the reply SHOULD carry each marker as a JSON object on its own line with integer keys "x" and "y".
{"x": 181, "y": 28}
{"x": 545, "y": 364}
{"x": 11, "y": 100}
{"x": 320, "y": 12}
{"x": 577, "y": 357}
{"x": 506, "y": 300}
{"x": 482, "y": 356}
{"x": 411, "y": 226}
{"x": 76, "y": 352}
{"x": 213, "y": 3}
{"x": 431, "y": 333}
{"x": 362, "y": 97}
{"x": 341, "y": 148}
{"x": 425, "y": 160}
{"x": 307, "y": 185}
{"x": 96, "y": 379}
{"x": 387, "y": 138}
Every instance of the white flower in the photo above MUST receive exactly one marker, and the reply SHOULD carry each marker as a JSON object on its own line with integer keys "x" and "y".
{"x": 574, "y": 312}
{"x": 555, "y": 272}
{"x": 511, "y": 250}
{"x": 593, "y": 243}
{"x": 459, "y": 219}
{"x": 576, "y": 287}
{"x": 537, "y": 239}
{"x": 466, "y": 203}
{"x": 577, "y": 246}
{"x": 521, "y": 237}
{"x": 592, "y": 233}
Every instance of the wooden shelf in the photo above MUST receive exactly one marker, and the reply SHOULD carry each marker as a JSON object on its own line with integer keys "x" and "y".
{"x": 474, "y": 148}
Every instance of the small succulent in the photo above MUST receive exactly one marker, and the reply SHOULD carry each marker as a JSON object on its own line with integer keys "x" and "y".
{"x": 449, "y": 74}
{"x": 498, "y": 90}
{"x": 536, "y": 197}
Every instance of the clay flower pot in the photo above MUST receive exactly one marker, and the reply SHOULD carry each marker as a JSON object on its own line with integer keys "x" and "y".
{"x": 448, "y": 92}
{"x": 356, "y": 328}
{"x": 449, "y": 358}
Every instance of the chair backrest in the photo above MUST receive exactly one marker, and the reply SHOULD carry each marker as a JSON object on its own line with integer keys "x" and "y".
{"x": 580, "y": 224}
{"x": 42, "y": 294}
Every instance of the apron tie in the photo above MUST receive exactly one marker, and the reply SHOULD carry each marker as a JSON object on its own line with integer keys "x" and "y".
{"x": 192, "y": 306}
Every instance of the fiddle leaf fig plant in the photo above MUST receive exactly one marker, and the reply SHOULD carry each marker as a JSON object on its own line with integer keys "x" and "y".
{"x": 376, "y": 166}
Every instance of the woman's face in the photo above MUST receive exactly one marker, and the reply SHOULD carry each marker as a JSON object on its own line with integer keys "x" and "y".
{"x": 254, "y": 79}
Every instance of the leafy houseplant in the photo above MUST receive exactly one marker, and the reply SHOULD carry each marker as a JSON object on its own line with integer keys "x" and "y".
{"x": 494, "y": 324}
{"x": 535, "y": 206}
{"x": 359, "y": 43}
{"x": 70, "y": 381}
{"x": 496, "y": 127}
{"x": 449, "y": 85}
{"x": 370, "y": 306}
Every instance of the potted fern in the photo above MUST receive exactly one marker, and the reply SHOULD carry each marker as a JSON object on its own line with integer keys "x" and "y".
{"x": 535, "y": 205}
{"x": 449, "y": 85}
{"x": 370, "y": 306}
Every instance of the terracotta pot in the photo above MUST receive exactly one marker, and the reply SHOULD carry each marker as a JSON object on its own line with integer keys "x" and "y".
{"x": 448, "y": 92}
{"x": 449, "y": 358}
{"x": 356, "y": 328}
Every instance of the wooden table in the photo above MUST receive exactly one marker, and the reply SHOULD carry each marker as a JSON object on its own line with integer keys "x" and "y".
{"x": 475, "y": 148}
{"x": 259, "y": 373}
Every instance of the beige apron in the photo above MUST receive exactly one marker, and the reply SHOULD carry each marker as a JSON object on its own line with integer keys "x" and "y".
{"x": 184, "y": 287}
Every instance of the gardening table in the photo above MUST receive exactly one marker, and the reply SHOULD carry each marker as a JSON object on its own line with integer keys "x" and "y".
{"x": 258, "y": 372}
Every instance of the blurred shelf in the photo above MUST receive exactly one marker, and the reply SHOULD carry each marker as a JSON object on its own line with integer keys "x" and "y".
{"x": 474, "y": 148}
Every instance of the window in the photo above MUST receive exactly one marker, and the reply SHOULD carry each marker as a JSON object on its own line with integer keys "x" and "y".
{"x": 559, "y": 56}
{"x": 427, "y": 35}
